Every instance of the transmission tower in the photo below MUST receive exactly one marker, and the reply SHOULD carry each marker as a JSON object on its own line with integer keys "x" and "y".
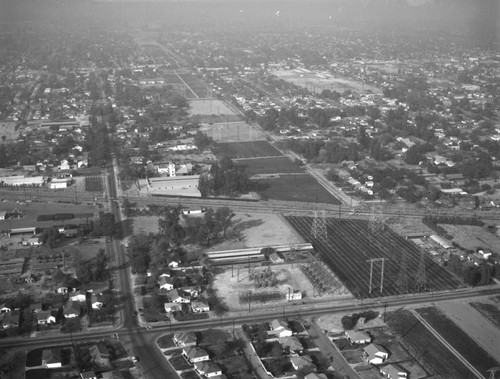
{"x": 381, "y": 273}
{"x": 402, "y": 280}
{"x": 421, "y": 277}
{"x": 318, "y": 229}
{"x": 493, "y": 372}
{"x": 376, "y": 224}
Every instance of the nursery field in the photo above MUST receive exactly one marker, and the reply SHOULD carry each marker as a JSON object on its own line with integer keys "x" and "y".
{"x": 351, "y": 243}
{"x": 247, "y": 149}
{"x": 270, "y": 165}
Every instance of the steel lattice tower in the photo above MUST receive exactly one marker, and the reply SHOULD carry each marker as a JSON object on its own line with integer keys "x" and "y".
{"x": 318, "y": 229}
{"x": 421, "y": 277}
{"x": 402, "y": 280}
{"x": 376, "y": 223}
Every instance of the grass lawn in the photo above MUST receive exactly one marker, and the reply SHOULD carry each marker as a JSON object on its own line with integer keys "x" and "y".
{"x": 299, "y": 187}
{"x": 190, "y": 375}
{"x": 353, "y": 356}
{"x": 166, "y": 341}
{"x": 180, "y": 363}
{"x": 213, "y": 337}
{"x": 343, "y": 344}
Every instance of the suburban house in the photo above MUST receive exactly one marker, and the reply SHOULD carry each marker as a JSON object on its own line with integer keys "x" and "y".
{"x": 191, "y": 291}
{"x": 314, "y": 375}
{"x": 4, "y": 309}
{"x": 357, "y": 337}
{"x": 45, "y": 317}
{"x": 165, "y": 274}
{"x": 195, "y": 354}
{"x": 375, "y": 354}
{"x": 100, "y": 355}
{"x": 62, "y": 290}
{"x": 299, "y": 362}
{"x": 393, "y": 371}
{"x": 199, "y": 307}
{"x": 166, "y": 283}
{"x": 185, "y": 338}
{"x": 173, "y": 264}
{"x": 295, "y": 295}
{"x": 88, "y": 375}
{"x": 51, "y": 358}
{"x": 175, "y": 297}
{"x": 71, "y": 309}
{"x": 115, "y": 374}
{"x": 10, "y": 319}
{"x": 96, "y": 304}
{"x": 292, "y": 343}
{"x": 279, "y": 328}
{"x": 172, "y": 307}
{"x": 79, "y": 296}
{"x": 207, "y": 369}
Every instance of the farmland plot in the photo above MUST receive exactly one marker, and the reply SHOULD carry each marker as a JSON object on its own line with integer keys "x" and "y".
{"x": 248, "y": 149}
{"x": 458, "y": 339}
{"x": 351, "y": 243}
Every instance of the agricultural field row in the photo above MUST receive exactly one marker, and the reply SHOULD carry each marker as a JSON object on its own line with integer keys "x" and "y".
{"x": 465, "y": 345}
{"x": 425, "y": 348}
{"x": 251, "y": 149}
{"x": 350, "y": 244}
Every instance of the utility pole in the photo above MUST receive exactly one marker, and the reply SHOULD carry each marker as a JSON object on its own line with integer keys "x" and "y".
{"x": 381, "y": 275}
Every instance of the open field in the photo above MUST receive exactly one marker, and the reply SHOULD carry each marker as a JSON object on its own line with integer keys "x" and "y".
{"x": 424, "y": 346}
{"x": 295, "y": 187}
{"x": 270, "y": 165}
{"x": 232, "y": 131}
{"x": 145, "y": 224}
{"x": 459, "y": 339}
{"x": 206, "y": 107}
{"x": 8, "y": 129}
{"x": 489, "y": 310}
{"x": 32, "y": 210}
{"x": 235, "y": 283}
{"x": 247, "y": 149}
{"x": 351, "y": 243}
{"x": 471, "y": 237}
{"x": 319, "y": 82}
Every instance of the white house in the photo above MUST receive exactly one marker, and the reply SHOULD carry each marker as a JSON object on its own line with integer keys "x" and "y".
{"x": 295, "y": 295}
{"x": 95, "y": 303}
{"x": 172, "y": 307}
{"x": 185, "y": 338}
{"x": 207, "y": 369}
{"x": 79, "y": 296}
{"x": 357, "y": 337}
{"x": 199, "y": 307}
{"x": 4, "y": 309}
{"x": 292, "y": 343}
{"x": 279, "y": 328}
{"x": 71, "y": 310}
{"x": 51, "y": 358}
{"x": 175, "y": 297}
{"x": 45, "y": 317}
{"x": 375, "y": 354}
{"x": 302, "y": 361}
{"x": 166, "y": 283}
{"x": 195, "y": 354}
{"x": 393, "y": 371}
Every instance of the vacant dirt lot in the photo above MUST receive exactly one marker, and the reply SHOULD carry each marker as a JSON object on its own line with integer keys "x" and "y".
{"x": 471, "y": 237}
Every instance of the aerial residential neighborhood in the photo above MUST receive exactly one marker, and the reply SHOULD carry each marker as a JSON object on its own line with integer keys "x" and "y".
{"x": 249, "y": 189}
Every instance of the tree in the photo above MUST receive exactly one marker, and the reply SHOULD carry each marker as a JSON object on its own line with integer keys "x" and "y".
{"x": 348, "y": 322}
{"x": 138, "y": 251}
{"x": 223, "y": 216}
{"x": 50, "y": 237}
{"x": 472, "y": 276}
{"x": 170, "y": 227}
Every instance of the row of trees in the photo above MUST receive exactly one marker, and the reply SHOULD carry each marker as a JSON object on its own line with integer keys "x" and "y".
{"x": 224, "y": 178}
